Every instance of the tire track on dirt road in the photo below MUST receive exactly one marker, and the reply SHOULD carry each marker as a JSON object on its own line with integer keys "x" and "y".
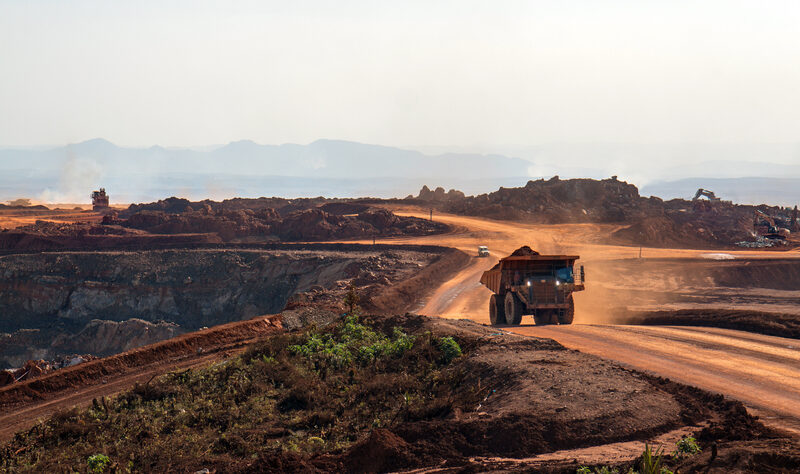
{"x": 763, "y": 372}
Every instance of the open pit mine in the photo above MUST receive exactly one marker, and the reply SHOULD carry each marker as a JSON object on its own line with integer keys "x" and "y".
{"x": 562, "y": 326}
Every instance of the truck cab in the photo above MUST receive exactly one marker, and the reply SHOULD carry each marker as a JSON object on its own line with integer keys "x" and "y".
{"x": 483, "y": 251}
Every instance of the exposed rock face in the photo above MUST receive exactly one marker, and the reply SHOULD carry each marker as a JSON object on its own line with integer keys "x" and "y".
{"x": 438, "y": 195}
{"x": 106, "y": 302}
{"x": 193, "y": 288}
{"x": 103, "y": 338}
{"x": 99, "y": 338}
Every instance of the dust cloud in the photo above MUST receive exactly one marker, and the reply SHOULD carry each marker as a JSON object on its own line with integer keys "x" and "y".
{"x": 78, "y": 177}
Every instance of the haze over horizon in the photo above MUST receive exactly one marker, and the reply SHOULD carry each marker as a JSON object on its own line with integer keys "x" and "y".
{"x": 647, "y": 91}
{"x": 337, "y": 168}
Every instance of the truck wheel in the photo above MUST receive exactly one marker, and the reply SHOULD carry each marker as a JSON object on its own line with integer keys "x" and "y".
{"x": 513, "y": 309}
{"x": 497, "y": 310}
{"x": 569, "y": 312}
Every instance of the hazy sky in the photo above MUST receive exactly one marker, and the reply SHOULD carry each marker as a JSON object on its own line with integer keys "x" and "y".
{"x": 461, "y": 73}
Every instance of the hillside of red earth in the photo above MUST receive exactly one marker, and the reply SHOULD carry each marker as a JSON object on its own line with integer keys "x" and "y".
{"x": 45, "y": 235}
{"x": 273, "y": 218}
{"x": 645, "y": 221}
{"x": 104, "y": 302}
{"x": 397, "y": 393}
{"x": 175, "y": 222}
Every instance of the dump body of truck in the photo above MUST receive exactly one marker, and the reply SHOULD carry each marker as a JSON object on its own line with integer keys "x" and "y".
{"x": 539, "y": 285}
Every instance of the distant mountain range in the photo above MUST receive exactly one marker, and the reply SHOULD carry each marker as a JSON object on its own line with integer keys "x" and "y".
{"x": 319, "y": 159}
{"x": 245, "y": 168}
{"x": 335, "y": 168}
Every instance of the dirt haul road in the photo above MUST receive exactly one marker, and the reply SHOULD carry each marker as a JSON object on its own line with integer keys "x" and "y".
{"x": 761, "y": 371}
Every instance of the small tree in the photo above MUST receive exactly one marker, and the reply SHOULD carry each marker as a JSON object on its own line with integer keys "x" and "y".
{"x": 351, "y": 299}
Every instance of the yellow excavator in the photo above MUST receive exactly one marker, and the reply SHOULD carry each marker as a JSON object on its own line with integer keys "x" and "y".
{"x": 708, "y": 194}
{"x": 773, "y": 231}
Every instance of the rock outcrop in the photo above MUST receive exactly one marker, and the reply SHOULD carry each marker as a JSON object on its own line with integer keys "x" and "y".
{"x": 267, "y": 224}
{"x": 650, "y": 220}
{"x": 559, "y": 201}
{"x": 105, "y": 302}
{"x": 104, "y": 338}
{"x": 438, "y": 195}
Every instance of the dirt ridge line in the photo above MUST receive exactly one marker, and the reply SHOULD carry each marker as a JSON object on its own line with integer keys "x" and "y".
{"x": 92, "y": 373}
{"x": 354, "y": 247}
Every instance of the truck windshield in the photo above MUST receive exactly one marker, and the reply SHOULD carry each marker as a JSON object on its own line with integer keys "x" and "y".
{"x": 565, "y": 275}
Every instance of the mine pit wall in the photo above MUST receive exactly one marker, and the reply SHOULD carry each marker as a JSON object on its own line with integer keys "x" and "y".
{"x": 110, "y": 301}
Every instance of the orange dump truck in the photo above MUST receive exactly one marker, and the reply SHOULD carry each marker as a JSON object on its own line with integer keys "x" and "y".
{"x": 528, "y": 283}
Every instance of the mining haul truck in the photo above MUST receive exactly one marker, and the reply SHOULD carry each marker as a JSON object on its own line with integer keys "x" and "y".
{"x": 528, "y": 283}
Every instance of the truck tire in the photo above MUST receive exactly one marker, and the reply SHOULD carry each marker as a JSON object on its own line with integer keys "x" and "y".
{"x": 513, "y": 307}
{"x": 497, "y": 310}
{"x": 569, "y": 312}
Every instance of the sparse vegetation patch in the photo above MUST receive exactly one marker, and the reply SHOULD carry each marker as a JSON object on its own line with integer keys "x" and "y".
{"x": 302, "y": 394}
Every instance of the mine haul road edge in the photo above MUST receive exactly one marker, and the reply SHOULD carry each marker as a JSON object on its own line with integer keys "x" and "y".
{"x": 761, "y": 371}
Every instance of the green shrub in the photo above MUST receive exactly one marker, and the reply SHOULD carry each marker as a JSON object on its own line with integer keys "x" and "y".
{"x": 354, "y": 342}
{"x": 98, "y": 462}
{"x": 687, "y": 447}
{"x": 316, "y": 391}
{"x": 653, "y": 461}
{"x": 450, "y": 349}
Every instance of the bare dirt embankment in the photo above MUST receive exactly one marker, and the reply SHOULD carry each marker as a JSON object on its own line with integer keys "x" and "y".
{"x": 25, "y": 402}
{"x": 507, "y": 396}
